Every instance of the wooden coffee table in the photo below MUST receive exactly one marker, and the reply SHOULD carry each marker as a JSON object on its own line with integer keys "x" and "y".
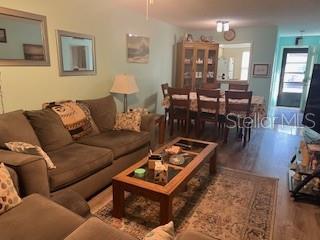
{"x": 198, "y": 154}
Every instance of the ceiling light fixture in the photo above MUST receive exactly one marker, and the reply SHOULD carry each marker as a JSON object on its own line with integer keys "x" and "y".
{"x": 219, "y": 26}
{"x": 223, "y": 26}
{"x": 149, "y": 3}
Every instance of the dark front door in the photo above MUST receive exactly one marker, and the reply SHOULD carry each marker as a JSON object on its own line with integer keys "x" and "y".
{"x": 294, "y": 63}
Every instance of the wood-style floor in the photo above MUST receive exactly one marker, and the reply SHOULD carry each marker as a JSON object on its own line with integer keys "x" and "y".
{"x": 268, "y": 154}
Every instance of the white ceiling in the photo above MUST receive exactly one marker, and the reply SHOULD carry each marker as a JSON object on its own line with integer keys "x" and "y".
{"x": 290, "y": 16}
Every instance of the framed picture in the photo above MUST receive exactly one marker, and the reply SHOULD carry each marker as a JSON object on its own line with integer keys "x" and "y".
{"x": 138, "y": 49}
{"x": 260, "y": 70}
{"x": 33, "y": 52}
{"x": 3, "y": 35}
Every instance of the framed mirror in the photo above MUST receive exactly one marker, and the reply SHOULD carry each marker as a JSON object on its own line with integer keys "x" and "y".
{"x": 76, "y": 54}
{"x": 23, "y": 39}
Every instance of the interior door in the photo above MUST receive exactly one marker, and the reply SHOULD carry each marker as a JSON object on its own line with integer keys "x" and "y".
{"x": 292, "y": 77}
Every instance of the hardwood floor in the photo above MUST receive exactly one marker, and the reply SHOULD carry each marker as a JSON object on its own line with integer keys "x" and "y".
{"x": 268, "y": 154}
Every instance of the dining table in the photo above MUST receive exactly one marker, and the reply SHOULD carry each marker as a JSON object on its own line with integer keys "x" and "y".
{"x": 258, "y": 106}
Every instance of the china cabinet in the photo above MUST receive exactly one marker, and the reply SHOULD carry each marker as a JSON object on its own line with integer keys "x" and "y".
{"x": 196, "y": 63}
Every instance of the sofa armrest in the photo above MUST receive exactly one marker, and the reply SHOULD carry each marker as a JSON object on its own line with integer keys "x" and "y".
{"x": 148, "y": 122}
{"x": 94, "y": 228}
{"x": 31, "y": 170}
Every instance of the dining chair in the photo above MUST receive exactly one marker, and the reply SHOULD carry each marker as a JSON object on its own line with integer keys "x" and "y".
{"x": 208, "y": 102}
{"x": 238, "y": 87}
{"x": 238, "y": 113}
{"x": 215, "y": 85}
{"x": 179, "y": 107}
{"x": 165, "y": 93}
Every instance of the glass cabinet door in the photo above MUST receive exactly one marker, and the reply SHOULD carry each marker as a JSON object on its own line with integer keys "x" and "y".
{"x": 211, "y": 65}
{"x": 188, "y": 67}
{"x": 200, "y": 68}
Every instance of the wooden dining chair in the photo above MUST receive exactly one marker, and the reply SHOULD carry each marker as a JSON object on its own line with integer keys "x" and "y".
{"x": 238, "y": 87}
{"x": 208, "y": 102}
{"x": 179, "y": 107}
{"x": 238, "y": 113}
{"x": 212, "y": 86}
{"x": 165, "y": 93}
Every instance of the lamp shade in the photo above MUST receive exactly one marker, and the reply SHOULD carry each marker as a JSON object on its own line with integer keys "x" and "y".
{"x": 124, "y": 84}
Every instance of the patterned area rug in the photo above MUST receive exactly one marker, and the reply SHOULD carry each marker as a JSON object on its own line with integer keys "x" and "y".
{"x": 232, "y": 205}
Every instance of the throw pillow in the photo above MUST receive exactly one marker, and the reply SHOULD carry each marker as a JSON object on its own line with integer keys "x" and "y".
{"x": 128, "y": 121}
{"x": 103, "y": 112}
{"x": 27, "y": 148}
{"x": 75, "y": 117}
{"x": 165, "y": 232}
{"x": 9, "y": 197}
{"x": 95, "y": 130}
{"x": 49, "y": 129}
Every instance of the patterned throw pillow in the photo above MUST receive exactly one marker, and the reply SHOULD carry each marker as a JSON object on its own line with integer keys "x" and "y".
{"x": 22, "y": 147}
{"x": 165, "y": 232}
{"x": 128, "y": 121}
{"x": 76, "y": 117}
{"x": 9, "y": 197}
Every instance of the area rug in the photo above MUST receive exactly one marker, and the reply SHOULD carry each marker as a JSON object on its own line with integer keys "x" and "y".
{"x": 231, "y": 205}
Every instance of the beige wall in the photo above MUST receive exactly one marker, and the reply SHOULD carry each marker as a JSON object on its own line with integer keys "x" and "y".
{"x": 29, "y": 87}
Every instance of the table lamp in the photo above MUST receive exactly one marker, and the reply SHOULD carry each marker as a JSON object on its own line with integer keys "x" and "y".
{"x": 124, "y": 84}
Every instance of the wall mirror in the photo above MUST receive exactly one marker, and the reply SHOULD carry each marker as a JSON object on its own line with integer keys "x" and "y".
{"x": 76, "y": 54}
{"x": 234, "y": 61}
{"x": 23, "y": 39}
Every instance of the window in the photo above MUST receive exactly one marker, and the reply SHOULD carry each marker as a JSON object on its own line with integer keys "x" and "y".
{"x": 245, "y": 65}
{"x": 294, "y": 71}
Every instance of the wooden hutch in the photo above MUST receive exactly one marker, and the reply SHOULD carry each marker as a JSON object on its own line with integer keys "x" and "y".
{"x": 197, "y": 63}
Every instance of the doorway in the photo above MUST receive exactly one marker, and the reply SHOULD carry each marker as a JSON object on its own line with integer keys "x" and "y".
{"x": 293, "y": 69}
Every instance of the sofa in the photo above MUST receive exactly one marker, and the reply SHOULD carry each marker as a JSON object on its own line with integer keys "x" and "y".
{"x": 85, "y": 166}
{"x": 38, "y": 217}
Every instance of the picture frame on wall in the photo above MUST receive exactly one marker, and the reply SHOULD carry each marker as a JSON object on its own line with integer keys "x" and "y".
{"x": 3, "y": 35}
{"x": 138, "y": 49}
{"x": 260, "y": 70}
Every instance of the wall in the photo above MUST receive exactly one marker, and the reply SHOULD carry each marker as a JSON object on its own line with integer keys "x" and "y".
{"x": 29, "y": 87}
{"x": 263, "y": 40}
{"x": 311, "y": 42}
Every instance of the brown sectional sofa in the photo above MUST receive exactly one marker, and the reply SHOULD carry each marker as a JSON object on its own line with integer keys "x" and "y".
{"x": 85, "y": 166}
{"x": 38, "y": 218}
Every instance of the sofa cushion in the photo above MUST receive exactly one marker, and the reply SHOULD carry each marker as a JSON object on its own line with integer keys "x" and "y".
{"x": 120, "y": 142}
{"x": 75, "y": 162}
{"x": 103, "y": 112}
{"x": 38, "y": 218}
{"x": 49, "y": 129}
{"x": 15, "y": 127}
